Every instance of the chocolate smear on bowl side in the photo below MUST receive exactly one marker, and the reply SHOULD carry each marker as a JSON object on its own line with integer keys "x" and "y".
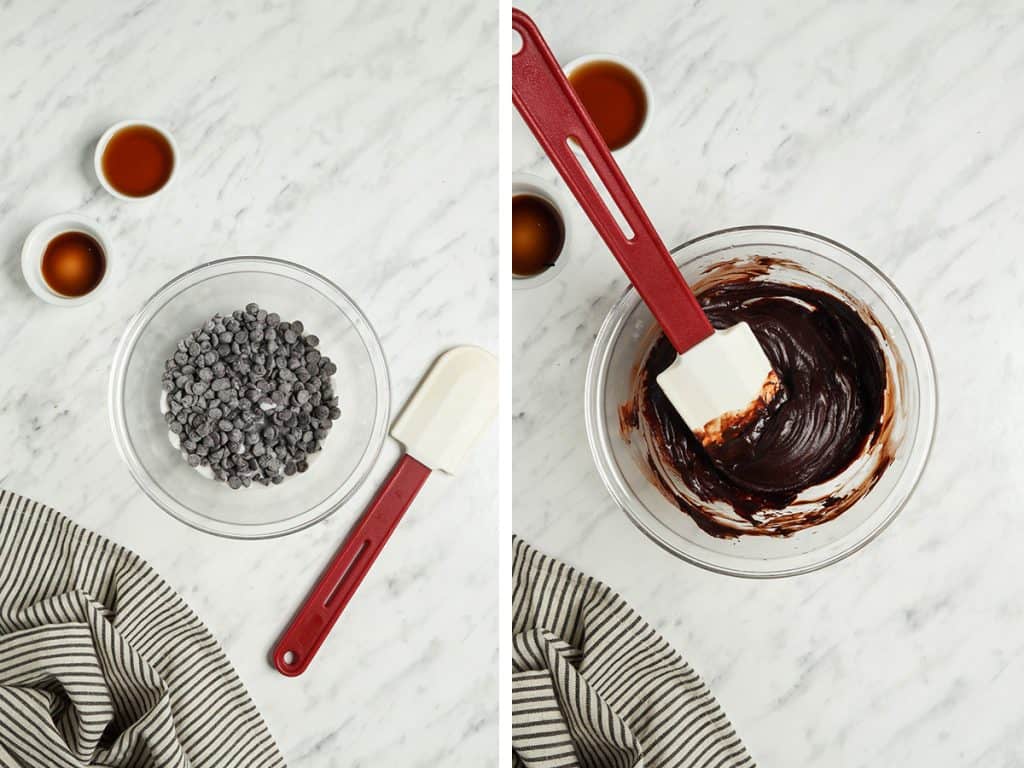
{"x": 834, "y": 409}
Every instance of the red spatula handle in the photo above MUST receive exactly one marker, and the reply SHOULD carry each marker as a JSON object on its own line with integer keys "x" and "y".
{"x": 553, "y": 112}
{"x": 314, "y": 621}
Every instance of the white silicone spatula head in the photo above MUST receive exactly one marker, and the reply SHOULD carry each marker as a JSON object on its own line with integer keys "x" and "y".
{"x": 454, "y": 403}
{"x": 720, "y": 384}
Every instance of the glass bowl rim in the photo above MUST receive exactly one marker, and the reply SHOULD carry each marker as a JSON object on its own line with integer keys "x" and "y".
{"x": 254, "y": 531}
{"x": 600, "y": 447}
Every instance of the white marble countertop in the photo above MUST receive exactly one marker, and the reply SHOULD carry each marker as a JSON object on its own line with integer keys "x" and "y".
{"x": 338, "y": 135}
{"x": 895, "y": 128}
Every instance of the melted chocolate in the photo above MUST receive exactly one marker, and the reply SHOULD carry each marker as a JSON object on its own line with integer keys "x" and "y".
{"x": 828, "y": 413}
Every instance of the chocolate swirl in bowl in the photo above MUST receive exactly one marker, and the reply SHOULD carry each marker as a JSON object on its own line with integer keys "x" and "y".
{"x": 823, "y": 442}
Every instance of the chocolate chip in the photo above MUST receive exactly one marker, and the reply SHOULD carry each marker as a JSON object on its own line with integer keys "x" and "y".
{"x": 249, "y": 396}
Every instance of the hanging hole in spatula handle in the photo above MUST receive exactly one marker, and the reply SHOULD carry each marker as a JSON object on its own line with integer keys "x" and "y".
{"x": 556, "y": 116}
{"x": 314, "y": 620}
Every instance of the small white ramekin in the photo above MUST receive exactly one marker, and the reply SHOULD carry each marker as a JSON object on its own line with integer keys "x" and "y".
{"x": 101, "y": 147}
{"x": 528, "y": 184}
{"x": 578, "y": 62}
{"x": 35, "y": 246}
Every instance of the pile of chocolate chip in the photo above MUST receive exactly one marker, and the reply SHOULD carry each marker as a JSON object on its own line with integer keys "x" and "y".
{"x": 250, "y": 397}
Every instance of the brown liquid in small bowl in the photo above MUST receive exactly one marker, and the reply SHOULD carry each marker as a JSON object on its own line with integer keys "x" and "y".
{"x": 138, "y": 161}
{"x": 538, "y": 235}
{"x": 614, "y": 98}
{"x": 73, "y": 264}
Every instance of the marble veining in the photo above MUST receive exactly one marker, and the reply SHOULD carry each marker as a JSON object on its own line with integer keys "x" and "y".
{"x": 892, "y": 128}
{"x": 356, "y": 139}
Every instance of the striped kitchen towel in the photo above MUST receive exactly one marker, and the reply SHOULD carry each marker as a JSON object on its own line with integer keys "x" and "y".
{"x": 594, "y": 686}
{"x": 102, "y": 663}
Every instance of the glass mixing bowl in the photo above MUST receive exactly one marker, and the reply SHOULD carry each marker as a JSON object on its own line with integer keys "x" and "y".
{"x": 361, "y": 384}
{"x": 816, "y": 262}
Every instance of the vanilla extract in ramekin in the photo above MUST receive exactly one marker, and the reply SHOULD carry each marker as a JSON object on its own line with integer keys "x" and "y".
{"x": 136, "y": 159}
{"x": 541, "y": 231}
{"x": 66, "y": 260}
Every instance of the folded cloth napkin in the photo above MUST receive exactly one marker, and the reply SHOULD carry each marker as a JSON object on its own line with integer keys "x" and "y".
{"x": 102, "y": 664}
{"x": 594, "y": 686}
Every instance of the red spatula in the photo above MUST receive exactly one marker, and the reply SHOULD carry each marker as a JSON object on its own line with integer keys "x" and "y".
{"x": 720, "y": 379}
{"x": 438, "y": 426}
